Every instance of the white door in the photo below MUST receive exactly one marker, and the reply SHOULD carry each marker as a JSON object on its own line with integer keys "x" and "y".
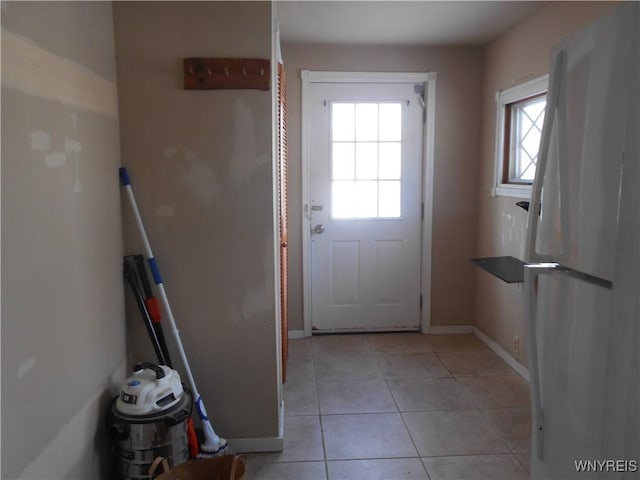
{"x": 365, "y": 192}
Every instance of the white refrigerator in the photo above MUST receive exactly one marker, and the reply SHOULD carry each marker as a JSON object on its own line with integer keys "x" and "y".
{"x": 582, "y": 283}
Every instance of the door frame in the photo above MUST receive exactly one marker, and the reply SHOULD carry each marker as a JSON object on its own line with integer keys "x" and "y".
{"x": 428, "y": 151}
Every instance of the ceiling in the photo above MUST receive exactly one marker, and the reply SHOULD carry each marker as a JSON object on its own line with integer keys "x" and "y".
{"x": 400, "y": 22}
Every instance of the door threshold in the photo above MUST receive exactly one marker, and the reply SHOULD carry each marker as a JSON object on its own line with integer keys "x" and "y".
{"x": 351, "y": 331}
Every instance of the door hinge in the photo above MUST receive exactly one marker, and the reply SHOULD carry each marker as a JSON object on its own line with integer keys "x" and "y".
{"x": 420, "y": 302}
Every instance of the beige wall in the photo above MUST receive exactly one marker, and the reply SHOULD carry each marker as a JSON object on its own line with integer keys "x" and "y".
{"x": 519, "y": 55}
{"x": 201, "y": 168}
{"x": 457, "y": 143}
{"x": 63, "y": 331}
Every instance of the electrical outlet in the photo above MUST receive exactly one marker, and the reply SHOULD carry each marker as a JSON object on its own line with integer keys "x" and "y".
{"x": 516, "y": 346}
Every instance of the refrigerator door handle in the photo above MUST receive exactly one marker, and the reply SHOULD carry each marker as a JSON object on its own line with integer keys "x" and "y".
{"x": 555, "y": 77}
{"x": 585, "y": 277}
{"x": 531, "y": 273}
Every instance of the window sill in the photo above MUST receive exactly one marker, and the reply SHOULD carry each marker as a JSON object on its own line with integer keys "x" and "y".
{"x": 517, "y": 191}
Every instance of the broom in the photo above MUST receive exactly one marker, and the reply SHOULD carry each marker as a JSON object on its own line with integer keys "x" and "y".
{"x": 213, "y": 444}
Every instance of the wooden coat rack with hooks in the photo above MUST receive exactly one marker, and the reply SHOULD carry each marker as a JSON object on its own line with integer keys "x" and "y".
{"x": 226, "y": 73}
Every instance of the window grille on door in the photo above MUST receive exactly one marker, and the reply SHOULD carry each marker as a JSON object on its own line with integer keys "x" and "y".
{"x": 366, "y": 160}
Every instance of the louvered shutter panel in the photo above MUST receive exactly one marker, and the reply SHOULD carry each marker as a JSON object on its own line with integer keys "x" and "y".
{"x": 283, "y": 212}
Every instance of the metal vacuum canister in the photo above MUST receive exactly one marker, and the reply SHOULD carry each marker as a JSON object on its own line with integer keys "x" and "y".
{"x": 149, "y": 419}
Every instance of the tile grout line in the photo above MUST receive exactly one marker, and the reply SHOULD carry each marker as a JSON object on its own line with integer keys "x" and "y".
{"x": 495, "y": 429}
{"x": 424, "y": 465}
{"x": 455, "y": 378}
{"x": 495, "y": 454}
{"x": 526, "y": 469}
{"x": 315, "y": 379}
{"x": 490, "y": 422}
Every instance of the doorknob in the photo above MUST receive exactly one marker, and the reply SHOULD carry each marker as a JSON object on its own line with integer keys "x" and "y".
{"x": 319, "y": 228}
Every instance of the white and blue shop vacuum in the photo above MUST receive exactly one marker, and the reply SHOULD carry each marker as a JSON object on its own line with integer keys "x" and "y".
{"x": 149, "y": 419}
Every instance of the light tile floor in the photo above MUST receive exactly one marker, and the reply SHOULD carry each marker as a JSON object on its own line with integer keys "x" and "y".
{"x": 398, "y": 406}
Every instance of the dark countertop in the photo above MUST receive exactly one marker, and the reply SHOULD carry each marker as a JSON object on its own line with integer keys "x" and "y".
{"x": 508, "y": 269}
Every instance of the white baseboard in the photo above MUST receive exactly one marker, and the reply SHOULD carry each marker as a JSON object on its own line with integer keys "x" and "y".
{"x": 435, "y": 330}
{"x": 502, "y": 353}
{"x": 281, "y": 420}
{"x": 448, "y": 329}
{"x": 262, "y": 444}
{"x": 256, "y": 445}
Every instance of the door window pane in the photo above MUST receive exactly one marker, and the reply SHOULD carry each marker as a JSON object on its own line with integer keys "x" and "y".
{"x": 390, "y": 122}
{"x": 343, "y": 161}
{"x": 390, "y": 161}
{"x": 366, "y": 199}
{"x": 366, "y": 161}
{"x": 366, "y": 122}
{"x": 343, "y": 122}
{"x": 389, "y": 199}
{"x": 343, "y": 195}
